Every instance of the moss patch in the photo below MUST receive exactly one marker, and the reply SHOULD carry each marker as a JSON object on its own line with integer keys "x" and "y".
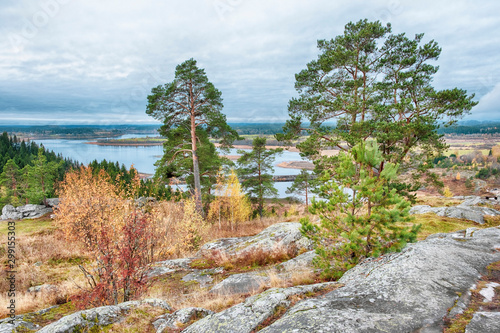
{"x": 433, "y": 224}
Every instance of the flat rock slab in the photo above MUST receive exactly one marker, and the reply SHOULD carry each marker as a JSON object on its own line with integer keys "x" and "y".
{"x": 247, "y": 316}
{"x": 278, "y": 235}
{"x": 101, "y": 316}
{"x": 484, "y": 322}
{"x": 240, "y": 284}
{"x": 301, "y": 263}
{"x": 402, "y": 292}
{"x": 203, "y": 276}
{"x": 179, "y": 318}
{"x": 170, "y": 266}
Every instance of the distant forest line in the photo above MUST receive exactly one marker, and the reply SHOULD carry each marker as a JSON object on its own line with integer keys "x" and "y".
{"x": 97, "y": 131}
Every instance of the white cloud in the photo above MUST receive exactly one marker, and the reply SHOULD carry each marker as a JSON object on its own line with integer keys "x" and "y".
{"x": 488, "y": 107}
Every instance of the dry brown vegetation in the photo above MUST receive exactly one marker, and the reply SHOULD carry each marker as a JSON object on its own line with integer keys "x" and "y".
{"x": 44, "y": 256}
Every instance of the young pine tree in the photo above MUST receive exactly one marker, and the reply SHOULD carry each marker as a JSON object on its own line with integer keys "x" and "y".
{"x": 362, "y": 217}
{"x": 301, "y": 185}
{"x": 256, "y": 168}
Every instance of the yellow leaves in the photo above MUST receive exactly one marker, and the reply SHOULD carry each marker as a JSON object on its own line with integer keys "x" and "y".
{"x": 89, "y": 203}
{"x": 447, "y": 192}
{"x": 230, "y": 206}
{"x": 192, "y": 229}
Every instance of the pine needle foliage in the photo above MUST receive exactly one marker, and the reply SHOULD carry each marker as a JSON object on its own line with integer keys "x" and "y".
{"x": 361, "y": 216}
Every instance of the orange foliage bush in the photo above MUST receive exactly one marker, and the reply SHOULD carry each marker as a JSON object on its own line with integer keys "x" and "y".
{"x": 121, "y": 240}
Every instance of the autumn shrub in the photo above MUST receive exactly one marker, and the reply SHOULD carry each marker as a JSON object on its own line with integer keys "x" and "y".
{"x": 120, "y": 239}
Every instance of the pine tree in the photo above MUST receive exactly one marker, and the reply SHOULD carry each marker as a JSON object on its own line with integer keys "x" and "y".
{"x": 39, "y": 177}
{"x": 190, "y": 102}
{"x": 362, "y": 216}
{"x": 256, "y": 168}
{"x": 301, "y": 185}
{"x": 10, "y": 178}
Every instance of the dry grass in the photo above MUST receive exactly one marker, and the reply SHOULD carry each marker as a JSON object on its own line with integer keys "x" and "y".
{"x": 180, "y": 294}
{"x": 433, "y": 224}
{"x": 138, "y": 320}
{"x": 42, "y": 257}
{"x": 246, "y": 260}
{"x": 435, "y": 200}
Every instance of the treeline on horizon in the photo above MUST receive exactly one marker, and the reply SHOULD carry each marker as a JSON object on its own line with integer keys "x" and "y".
{"x": 465, "y": 127}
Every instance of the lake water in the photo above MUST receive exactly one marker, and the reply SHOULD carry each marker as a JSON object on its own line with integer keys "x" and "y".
{"x": 143, "y": 158}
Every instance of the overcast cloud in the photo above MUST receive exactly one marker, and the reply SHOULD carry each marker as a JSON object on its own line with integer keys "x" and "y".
{"x": 89, "y": 61}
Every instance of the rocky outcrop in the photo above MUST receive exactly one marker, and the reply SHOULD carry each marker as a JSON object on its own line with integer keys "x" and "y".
{"x": 179, "y": 318}
{"x": 467, "y": 210}
{"x": 408, "y": 291}
{"x": 17, "y": 324}
{"x": 247, "y": 316}
{"x": 240, "y": 284}
{"x": 484, "y": 322}
{"x": 301, "y": 263}
{"x": 101, "y": 316}
{"x": 284, "y": 235}
{"x": 170, "y": 266}
{"x": 203, "y": 276}
{"x": 30, "y": 211}
{"x": 44, "y": 288}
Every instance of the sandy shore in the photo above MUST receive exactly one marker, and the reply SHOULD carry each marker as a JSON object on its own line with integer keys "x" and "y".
{"x": 296, "y": 165}
{"x": 292, "y": 149}
{"x": 124, "y": 144}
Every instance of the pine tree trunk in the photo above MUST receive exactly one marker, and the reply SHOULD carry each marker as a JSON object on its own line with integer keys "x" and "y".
{"x": 196, "y": 168}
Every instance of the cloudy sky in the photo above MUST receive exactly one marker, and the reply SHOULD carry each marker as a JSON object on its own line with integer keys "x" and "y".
{"x": 95, "y": 61}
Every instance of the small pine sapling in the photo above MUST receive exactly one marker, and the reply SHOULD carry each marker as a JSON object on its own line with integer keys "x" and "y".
{"x": 361, "y": 216}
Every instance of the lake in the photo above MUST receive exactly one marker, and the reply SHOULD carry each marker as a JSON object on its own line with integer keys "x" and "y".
{"x": 143, "y": 158}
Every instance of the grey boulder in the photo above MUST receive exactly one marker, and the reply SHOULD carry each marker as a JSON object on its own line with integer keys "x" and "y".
{"x": 170, "y": 266}
{"x": 240, "y": 284}
{"x": 29, "y": 211}
{"x": 101, "y": 316}
{"x": 301, "y": 263}
{"x": 179, "y": 318}
{"x": 9, "y": 212}
{"x": 484, "y": 322}
{"x": 284, "y": 235}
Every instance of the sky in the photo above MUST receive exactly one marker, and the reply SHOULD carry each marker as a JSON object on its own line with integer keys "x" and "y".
{"x": 95, "y": 61}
